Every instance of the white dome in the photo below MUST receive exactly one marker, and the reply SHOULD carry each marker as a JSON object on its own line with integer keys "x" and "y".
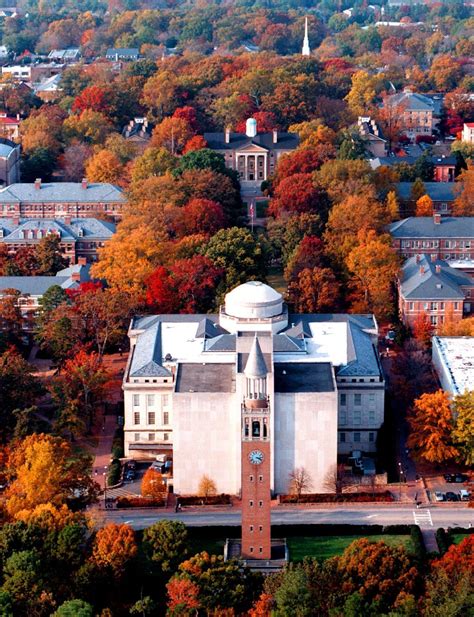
{"x": 253, "y": 300}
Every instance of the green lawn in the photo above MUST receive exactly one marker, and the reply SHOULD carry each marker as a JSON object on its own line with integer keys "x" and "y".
{"x": 459, "y": 537}
{"x": 275, "y": 279}
{"x": 324, "y": 547}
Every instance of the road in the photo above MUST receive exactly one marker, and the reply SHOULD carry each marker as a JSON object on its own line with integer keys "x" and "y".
{"x": 439, "y": 516}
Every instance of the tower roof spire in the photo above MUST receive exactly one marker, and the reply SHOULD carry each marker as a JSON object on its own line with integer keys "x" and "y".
{"x": 256, "y": 366}
{"x": 306, "y": 51}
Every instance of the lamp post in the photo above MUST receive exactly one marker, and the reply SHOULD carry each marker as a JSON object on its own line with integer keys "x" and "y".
{"x": 105, "y": 486}
{"x": 400, "y": 472}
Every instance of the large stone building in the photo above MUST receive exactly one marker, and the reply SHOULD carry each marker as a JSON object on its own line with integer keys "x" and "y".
{"x": 185, "y": 384}
{"x": 416, "y": 112}
{"x": 9, "y": 161}
{"x": 253, "y": 155}
{"x": 453, "y": 359}
{"x": 60, "y": 199}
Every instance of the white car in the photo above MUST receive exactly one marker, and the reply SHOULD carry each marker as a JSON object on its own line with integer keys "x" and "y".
{"x": 438, "y": 496}
{"x": 465, "y": 495}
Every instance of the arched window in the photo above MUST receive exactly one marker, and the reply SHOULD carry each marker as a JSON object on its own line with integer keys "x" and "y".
{"x": 255, "y": 428}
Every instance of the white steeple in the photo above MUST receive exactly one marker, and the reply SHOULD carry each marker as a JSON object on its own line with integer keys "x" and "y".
{"x": 306, "y": 51}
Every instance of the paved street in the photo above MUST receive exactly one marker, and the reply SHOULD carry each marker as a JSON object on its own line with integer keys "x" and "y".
{"x": 440, "y": 516}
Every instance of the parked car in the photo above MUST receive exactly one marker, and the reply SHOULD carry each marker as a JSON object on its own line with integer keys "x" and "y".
{"x": 450, "y": 496}
{"x": 157, "y": 466}
{"x": 130, "y": 475}
{"x": 460, "y": 477}
{"x": 449, "y": 477}
{"x": 464, "y": 495}
{"x": 438, "y": 496}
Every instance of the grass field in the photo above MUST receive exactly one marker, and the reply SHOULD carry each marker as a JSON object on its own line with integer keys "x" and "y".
{"x": 275, "y": 279}
{"x": 459, "y": 537}
{"x": 323, "y": 547}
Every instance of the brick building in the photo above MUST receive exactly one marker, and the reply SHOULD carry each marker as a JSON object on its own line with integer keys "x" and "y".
{"x": 80, "y": 238}
{"x": 448, "y": 238}
{"x": 430, "y": 286}
{"x": 62, "y": 199}
{"x": 415, "y": 111}
{"x": 442, "y": 195}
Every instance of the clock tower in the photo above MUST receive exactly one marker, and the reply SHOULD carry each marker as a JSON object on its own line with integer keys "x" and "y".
{"x": 256, "y": 463}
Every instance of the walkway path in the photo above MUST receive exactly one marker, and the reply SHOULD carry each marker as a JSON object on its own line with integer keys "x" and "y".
{"x": 102, "y": 452}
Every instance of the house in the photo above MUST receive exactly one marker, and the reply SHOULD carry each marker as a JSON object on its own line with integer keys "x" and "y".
{"x": 468, "y": 133}
{"x": 253, "y": 155}
{"x": 57, "y": 199}
{"x": 32, "y": 288}
{"x": 9, "y": 127}
{"x": 453, "y": 359}
{"x": 448, "y": 238}
{"x": 444, "y": 167}
{"x": 428, "y": 285}
{"x": 9, "y": 161}
{"x": 138, "y": 131}
{"x": 416, "y": 112}
{"x": 442, "y": 195}
{"x": 68, "y": 56}
{"x": 187, "y": 378}
{"x": 49, "y": 89}
{"x": 32, "y": 73}
{"x": 122, "y": 53}
{"x": 79, "y": 238}
{"x": 376, "y": 145}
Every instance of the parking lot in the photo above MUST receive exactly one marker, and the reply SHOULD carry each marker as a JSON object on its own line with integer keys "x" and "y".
{"x": 450, "y": 487}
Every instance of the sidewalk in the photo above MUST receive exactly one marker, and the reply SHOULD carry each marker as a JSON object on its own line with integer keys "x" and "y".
{"x": 102, "y": 453}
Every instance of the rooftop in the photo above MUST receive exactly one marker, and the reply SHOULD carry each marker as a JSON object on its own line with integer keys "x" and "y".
{"x": 34, "y": 229}
{"x": 62, "y": 192}
{"x": 411, "y": 101}
{"x": 297, "y": 378}
{"x": 425, "y": 227}
{"x": 285, "y": 141}
{"x": 38, "y": 285}
{"x": 457, "y": 355}
{"x": 424, "y": 279}
{"x": 438, "y": 191}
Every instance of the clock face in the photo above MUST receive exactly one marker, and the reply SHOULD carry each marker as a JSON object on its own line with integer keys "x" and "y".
{"x": 256, "y": 457}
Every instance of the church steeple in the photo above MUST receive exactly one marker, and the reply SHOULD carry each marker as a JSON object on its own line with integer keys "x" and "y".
{"x": 306, "y": 51}
{"x": 256, "y": 373}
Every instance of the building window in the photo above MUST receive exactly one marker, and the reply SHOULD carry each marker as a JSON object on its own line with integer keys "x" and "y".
{"x": 357, "y": 417}
{"x": 151, "y": 436}
{"x": 136, "y": 417}
{"x": 165, "y": 400}
{"x": 151, "y": 417}
{"x": 357, "y": 400}
{"x": 251, "y": 549}
{"x": 433, "y": 320}
{"x": 357, "y": 437}
{"x": 150, "y": 400}
{"x": 260, "y": 503}
{"x": 165, "y": 436}
{"x": 260, "y": 550}
{"x": 260, "y": 478}
{"x": 251, "y": 528}
{"x": 136, "y": 400}
{"x": 251, "y": 503}
{"x": 343, "y": 399}
{"x": 371, "y": 415}
{"x": 411, "y": 306}
{"x": 342, "y": 437}
{"x": 371, "y": 437}
{"x": 371, "y": 399}
{"x": 456, "y": 306}
{"x": 251, "y": 478}
{"x": 137, "y": 436}
{"x": 260, "y": 527}
{"x": 342, "y": 416}
{"x": 166, "y": 418}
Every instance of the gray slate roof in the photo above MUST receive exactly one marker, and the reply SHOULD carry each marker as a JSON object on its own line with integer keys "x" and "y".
{"x": 299, "y": 377}
{"x": 411, "y": 101}
{"x": 431, "y": 285}
{"x": 61, "y": 192}
{"x": 286, "y": 141}
{"x": 147, "y": 355}
{"x": 123, "y": 51}
{"x": 438, "y": 191}
{"x": 388, "y": 161}
{"x": 425, "y": 227}
{"x": 38, "y": 285}
{"x": 89, "y": 228}
{"x": 211, "y": 378}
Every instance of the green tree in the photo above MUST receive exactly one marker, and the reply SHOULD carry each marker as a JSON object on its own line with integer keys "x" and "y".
{"x": 352, "y": 145}
{"x": 153, "y": 162}
{"x": 23, "y": 581}
{"x": 38, "y": 163}
{"x": 49, "y": 256}
{"x": 463, "y": 431}
{"x": 417, "y": 190}
{"x": 202, "y": 159}
{"x": 166, "y": 543}
{"x": 75, "y": 608}
{"x": 293, "y": 596}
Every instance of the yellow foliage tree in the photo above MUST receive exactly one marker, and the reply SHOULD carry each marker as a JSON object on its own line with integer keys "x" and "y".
{"x": 362, "y": 94}
{"x": 104, "y": 166}
{"x": 153, "y": 485}
{"x": 51, "y": 517}
{"x": 172, "y": 134}
{"x": 393, "y": 207}
{"x": 424, "y": 206}
{"x": 207, "y": 487}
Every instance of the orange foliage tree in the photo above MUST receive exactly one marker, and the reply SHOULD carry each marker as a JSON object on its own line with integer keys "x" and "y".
{"x": 424, "y": 206}
{"x": 153, "y": 485}
{"x": 422, "y": 329}
{"x": 458, "y": 558}
{"x": 314, "y": 290}
{"x": 114, "y": 546}
{"x": 431, "y": 426}
{"x": 104, "y": 166}
{"x": 183, "y": 595}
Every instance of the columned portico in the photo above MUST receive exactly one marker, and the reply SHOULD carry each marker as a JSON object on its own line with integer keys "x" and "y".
{"x": 252, "y": 167}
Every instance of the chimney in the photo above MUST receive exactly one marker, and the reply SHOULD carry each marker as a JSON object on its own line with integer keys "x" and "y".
{"x": 437, "y": 219}
{"x": 418, "y": 258}
{"x": 438, "y": 269}
{"x": 433, "y": 257}
{"x": 16, "y": 220}
{"x": 18, "y": 118}
{"x": 38, "y": 184}
{"x": 81, "y": 261}
{"x": 67, "y": 220}
{"x": 422, "y": 269}
{"x": 227, "y": 135}
{"x": 84, "y": 183}
{"x": 76, "y": 276}
{"x": 275, "y": 136}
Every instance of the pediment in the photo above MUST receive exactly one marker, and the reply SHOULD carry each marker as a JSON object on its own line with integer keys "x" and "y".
{"x": 251, "y": 149}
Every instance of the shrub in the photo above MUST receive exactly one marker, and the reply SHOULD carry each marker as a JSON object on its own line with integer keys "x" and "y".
{"x": 197, "y": 500}
{"x": 139, "y": 502}
{"x": 117, "y": 444}
{"x": 418, "y": 544}
{"x": 444, "y": 540}
{"x": 115, "y": 469}
{"x": 386, "y": 496}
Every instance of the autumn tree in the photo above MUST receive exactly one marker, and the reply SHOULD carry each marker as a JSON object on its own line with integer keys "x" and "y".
{"x": 309, "y": 253}
{"x": 287, "y": 231}
{"x": 345, "y": 178}
{"x": 73, "y": 161}
{"x": 153, "y": 485}
{"x": 183, "y": 596}
{"x": 162, "y": 94}
{"x": 172, "y": 134}
{"x": 299, "y": 482}
{"x": 96, "y": 98}
{"x": 303, "y": 160}
{"x": 90, "y": 126}
{"x": 464, "y": 203}
{"x": 166, "y": 544}
{"x": 202, "y": 216}
{"x": 314, "y": 290}
{"x": 104, "y": 166}
{"x": 10, "y": 314}
{"x": 297, "y": 194}
{"x": 463, "y": 433}
{"x": 362, "y": 94}
{"x": 114, "y": 548}
{"x": 49, "y": 256}
{"x": 153, "y": 162}
{"x": 424, "y": 206}
{"x": 207, "y": 487}
{"x": 423, "y": 329}
{"x": 431, "y": 426}
{"x": 188, "y": 286}
{"x": 44, "y": 469}
{"x": 336, "y": 479}
{"x": 393, "y": 207}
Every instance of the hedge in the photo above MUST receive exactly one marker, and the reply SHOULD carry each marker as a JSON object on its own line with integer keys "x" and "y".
{"x": 418, "y": 544}
{"x": 117, "y": 444}
{"x": 196, "y": 500}
{"x": 113, "y": 475}
{"x": 385, "y": 496}
{"x": 443, "y": 539}
{"x": 139, "y": 502}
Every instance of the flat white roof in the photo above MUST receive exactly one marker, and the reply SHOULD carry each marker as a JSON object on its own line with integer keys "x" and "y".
{"x": 457, "y": 355}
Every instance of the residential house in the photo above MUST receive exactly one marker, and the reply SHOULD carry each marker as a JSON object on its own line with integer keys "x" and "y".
{"x": 122, "y": 53}
{"x": 138, "y": 131}
{"x": 58, "y": 199}
{"x": 253, "y": 155}
{"x": 444, "y": 167}
{"x": 186, "y": 379}
{"x": 79, "y": 238}
{"x": 448, "y": 238}
{"x": 66, "y": 56}
{"x": 430, "y": 286}
{"x": 49, "y": 89}
{"x": 32, "y": 73}
{"x": 468, "y": 133}
{"x": 32, "y": 289}
{"x": 9, "y": 161}
{"x": 442, "y": 195}
{"x": 9, "y": 127}
{"x": 376, "y": 145}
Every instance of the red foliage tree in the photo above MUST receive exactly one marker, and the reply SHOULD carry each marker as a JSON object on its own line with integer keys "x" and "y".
{"x": 295, "y": 194}
{"x": 195, "y": 143}
{"x": 187, "y": 113}
{"x": 92, "y": 97}
{"x": 189, "y": 286}
{"x": 308, "y": 254}
{"x": 459, "y": 558}
{"x": 266, "y": 122}
{"x": 203, "y": 216}
{"x": 422, "y": 329}
{"x": 183, "y": 595}
{"x": 304, "y": 161}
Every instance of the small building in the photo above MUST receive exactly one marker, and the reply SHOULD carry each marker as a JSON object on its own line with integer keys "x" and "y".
{"x": 9, "y": 161}
{"x": 416, "y": 112}
{"x": 79, "y": 238}
{"x": 122, "y": 53}
{"x": 430, "y": 286}
{"x": 49, "y": 89}
{"x": 376, "y": 145}
{"x": 448, "y": 238}
{"x": 441, "y": 194}
{"x": 468, "y": 133}
{"x": 138, "y": 131}
{"x": 9, "y": 127}
{"x": 453, "y": 359}
{"x": 67, "y": 56}
{"x": 60, "y": 199}
{"x": 253, "y": 155}
{"x": 444, "y": 167}
{"x": 32, "y": 289}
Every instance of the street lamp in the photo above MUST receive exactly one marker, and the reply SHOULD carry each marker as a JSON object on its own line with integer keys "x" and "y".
{"x": 400, "y": 472}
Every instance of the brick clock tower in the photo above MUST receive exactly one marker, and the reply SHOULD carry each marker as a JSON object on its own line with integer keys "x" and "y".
{"x": 256, "y": 464}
